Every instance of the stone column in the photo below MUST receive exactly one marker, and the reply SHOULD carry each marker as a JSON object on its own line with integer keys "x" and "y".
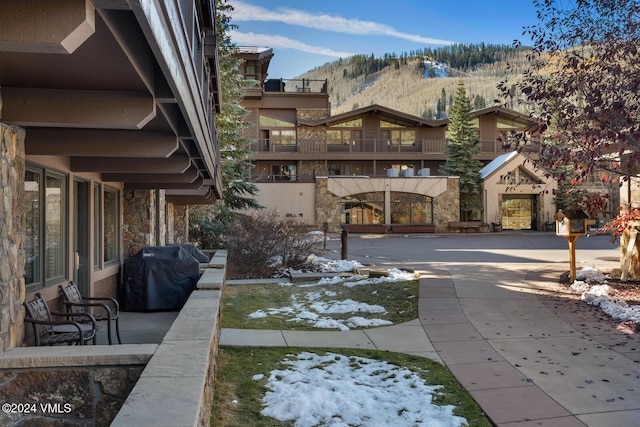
{"x": 328, "y": 207}
{"x": 161, "y": 220}
{"x": 139, "y": 218}
{"x": 180, "y": 224}
{"x": 12, "y": 228}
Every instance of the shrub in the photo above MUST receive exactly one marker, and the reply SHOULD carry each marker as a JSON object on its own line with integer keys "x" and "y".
{"x": 264, "y": 245}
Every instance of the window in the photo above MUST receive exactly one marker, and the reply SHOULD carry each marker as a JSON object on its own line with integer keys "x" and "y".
{"x": 355, "y": 123}
{"x": 32, "y": 188}
{"x": 283, "y": 137}
{"x": 45, "y": 234}
{"x": 271, "y": 122}
{"x": 97, "y": 224}
{"x": 519, "y": 176}
{"x": 398, "y": 133}
{"x": 111, "y": 209}
{"x": 342, "y": 135}
{"x": 284, "y": 172}
{"x": 411, "y": 208}
{"x": 286, "y": 136}
{"x": 339, "y": 169}
{"x": 364, "y": 208}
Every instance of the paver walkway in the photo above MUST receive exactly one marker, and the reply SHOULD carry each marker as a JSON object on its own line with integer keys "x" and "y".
{"x": 528, "y": 355}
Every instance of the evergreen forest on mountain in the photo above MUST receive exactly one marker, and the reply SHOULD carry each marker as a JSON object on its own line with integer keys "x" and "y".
{"x": 423, "y": 82}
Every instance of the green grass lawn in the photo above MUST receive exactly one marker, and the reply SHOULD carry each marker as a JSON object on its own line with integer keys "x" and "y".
{"x": 398, "y": 299}
{"x": 238, "y": 394}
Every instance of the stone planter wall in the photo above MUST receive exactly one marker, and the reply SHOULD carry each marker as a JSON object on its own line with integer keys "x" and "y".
{"x": 72, "y": 386}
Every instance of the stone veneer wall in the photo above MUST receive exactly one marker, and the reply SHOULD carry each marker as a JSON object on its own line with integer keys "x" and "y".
{"x": 77, "y": 395}
{"x": 139, "y": 216}
{"x": 319, "y": 133}
{"x": 328, "y": 208}
{"x": 447, "y": 207}
{"x": 162, "y": 218}
{"x": 180, "y": 223}
{"x": 12, "y": 228}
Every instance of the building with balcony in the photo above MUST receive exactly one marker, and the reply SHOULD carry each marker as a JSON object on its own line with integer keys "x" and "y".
{"x": 107, "y": 133}
{"x": 381, "y": 166}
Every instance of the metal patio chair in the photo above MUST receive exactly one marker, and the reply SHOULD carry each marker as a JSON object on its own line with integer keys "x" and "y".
{"x": 47, "y": 331}
{"x": 108, "y": 309}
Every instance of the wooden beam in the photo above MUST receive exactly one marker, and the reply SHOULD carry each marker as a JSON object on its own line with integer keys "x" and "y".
{"x": 131, "y": 41}
{"x": 45, "y": 26}
{"x": 34, "y": 107}
{"x": 98, "y": 143}
{"x": 176, "y": 164}
{"x": 163, "y": 185}
{"x": 184, "y": 178}
{"x": 190, "y": 197}
{"x": 111, "y": 4}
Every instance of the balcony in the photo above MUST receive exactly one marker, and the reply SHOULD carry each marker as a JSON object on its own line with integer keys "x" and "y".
{"x": 295, "y": 86}
{"x": 382, "y": 148}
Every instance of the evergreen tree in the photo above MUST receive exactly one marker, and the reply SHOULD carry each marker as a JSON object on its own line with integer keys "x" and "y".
{"x": 208, "y": 223}
{"x": 461, "y": 148}
{"x": 234, "y": 148}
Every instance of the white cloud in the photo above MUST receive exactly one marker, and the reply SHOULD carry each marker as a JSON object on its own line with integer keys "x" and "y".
{"x": 276, "y": 41}
{"x": 246, "y": 12}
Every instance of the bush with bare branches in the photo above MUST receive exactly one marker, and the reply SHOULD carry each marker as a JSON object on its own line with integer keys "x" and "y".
{"x": 264, "y": 245}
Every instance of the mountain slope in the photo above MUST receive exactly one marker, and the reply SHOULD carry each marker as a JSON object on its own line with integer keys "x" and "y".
{"x": 403, "y": 83}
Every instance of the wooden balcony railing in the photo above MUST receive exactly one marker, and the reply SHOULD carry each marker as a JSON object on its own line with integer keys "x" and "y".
{"x": 425, "y": 146}
{"x": 296, "y": 85}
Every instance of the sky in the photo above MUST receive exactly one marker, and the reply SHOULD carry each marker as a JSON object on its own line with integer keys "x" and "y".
{"x": 306, "y": 34}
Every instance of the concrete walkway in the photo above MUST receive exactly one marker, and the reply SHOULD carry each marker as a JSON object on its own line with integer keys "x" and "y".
{"x": 529, "y": 355}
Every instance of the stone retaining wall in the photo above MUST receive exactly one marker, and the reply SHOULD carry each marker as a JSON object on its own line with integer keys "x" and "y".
{"x": 176, "y": 387}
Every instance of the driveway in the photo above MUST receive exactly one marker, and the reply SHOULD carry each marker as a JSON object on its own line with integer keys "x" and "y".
{"x": 528, "y": 354}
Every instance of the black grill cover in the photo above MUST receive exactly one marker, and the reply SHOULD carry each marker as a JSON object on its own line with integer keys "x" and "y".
{"x": 193, "y": 251}
{"x": 158, "y": 278}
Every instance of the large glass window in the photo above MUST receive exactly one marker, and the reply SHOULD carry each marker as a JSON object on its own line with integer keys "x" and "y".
{"x": 32, "y": 188}
{"x": 97, "y": 224}
{"x": 45, "y": 232}
{"x": 280, "y": 132}
{"x": 398, "y": 133}
{"x": 283, "y": 137}
{"x": 111, "y": 208}
{"x": 411, "y": 208}
{"x": 54, "y": 243}
{"x": 342, "y": 135}
{"x": 364, "y": 208}
{"x": 284, "y": 172}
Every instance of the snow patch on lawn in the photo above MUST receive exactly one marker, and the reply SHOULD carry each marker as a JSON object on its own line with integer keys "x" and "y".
{"x": 336, "y": 390}
{"x": 311, "y": 310}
